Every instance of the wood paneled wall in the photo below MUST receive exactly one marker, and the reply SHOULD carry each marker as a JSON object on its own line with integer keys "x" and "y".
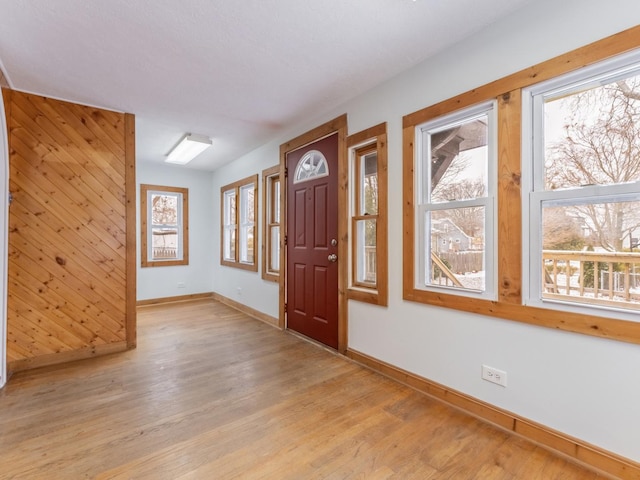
{"x": 71, "y": 286}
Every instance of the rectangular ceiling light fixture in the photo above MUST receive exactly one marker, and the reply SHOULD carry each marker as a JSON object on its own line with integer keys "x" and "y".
{"x": 189, "y": 148}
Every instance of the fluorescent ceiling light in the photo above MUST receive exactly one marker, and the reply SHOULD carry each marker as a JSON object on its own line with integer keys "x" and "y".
{"x": 189, "y": 148}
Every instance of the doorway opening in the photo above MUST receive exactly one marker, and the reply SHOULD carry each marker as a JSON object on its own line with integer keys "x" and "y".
{"x": 313, "y": 285}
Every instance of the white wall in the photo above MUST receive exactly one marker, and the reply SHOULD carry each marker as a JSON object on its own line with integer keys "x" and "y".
{"x": 584, "y": 386}
{"x": 159, "y": 282}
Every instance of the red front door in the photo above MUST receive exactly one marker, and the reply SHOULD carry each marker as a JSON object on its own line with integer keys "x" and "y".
{"x": 312, "y": 238}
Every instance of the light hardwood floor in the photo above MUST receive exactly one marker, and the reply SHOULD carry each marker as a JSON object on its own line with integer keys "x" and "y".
{"x": 213, "y": 394}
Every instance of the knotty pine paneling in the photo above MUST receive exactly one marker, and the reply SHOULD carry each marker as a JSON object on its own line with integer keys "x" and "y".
{"x": 71, "y": 264}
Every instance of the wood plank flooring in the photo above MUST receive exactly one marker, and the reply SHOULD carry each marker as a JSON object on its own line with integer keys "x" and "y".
{"x": 213, "y": 394}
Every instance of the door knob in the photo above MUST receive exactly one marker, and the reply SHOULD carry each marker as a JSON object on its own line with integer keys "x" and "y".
{"x": 333, "y": 257}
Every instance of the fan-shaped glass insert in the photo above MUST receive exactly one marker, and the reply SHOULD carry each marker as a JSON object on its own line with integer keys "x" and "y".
{"x": 312, "y": 165}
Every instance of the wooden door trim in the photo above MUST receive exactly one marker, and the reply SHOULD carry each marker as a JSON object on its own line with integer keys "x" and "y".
{"x": 131, "y": 234}
{"x": 337, "y": 125}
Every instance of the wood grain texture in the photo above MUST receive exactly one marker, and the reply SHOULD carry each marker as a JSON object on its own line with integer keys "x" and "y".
{"x": 131, "y": 271}
{"x": 408, "y": 213}
{"x": 339, "y": 125}
{"x": 212, "y": 393}
{"x": 177, "y": 298}
{"x": 268, "y": 210}
{"x": 71, "y": 245}
{"x": 3, "y": 79}
{"x": 509, "y": 198}
{"x": 602, "y": 460}
{"x": 236, "y": 186}
{"x": 617, "y": 44}
{"x": 241, "y": 307}
{"x": 377, "y": 135}
{"x": 343, "y": 239}
{"x": 509, "y": 302}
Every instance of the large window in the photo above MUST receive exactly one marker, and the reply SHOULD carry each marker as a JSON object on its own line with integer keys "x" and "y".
{"x": 271, "y": 224}
{"x": 566, "y": 221}
{"x": 455, "y": 202}
{"x": 368, "y": 229}
{"x": 164, "y": 221}
{"x": 585, "y": 188}
{"x": 238, "y": 226}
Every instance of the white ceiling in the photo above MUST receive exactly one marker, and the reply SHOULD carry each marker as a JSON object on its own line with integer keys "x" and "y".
{"x": 238, "y": 71}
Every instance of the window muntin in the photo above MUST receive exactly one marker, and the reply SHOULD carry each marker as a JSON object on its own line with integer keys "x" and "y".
{"x": 271, "y": 228}
{"x": 455, "y": 191}
{"x": 238, "y": 224}
{"x": 164, "y": 238}
{"x": 312, "y": 165}
{"x": 585, "y": 189}
{"x": 368, "y": 210}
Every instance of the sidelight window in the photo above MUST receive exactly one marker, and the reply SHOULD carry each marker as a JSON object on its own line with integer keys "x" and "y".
{"x": 368, "y": 207}
{"x": 271, "y": 224}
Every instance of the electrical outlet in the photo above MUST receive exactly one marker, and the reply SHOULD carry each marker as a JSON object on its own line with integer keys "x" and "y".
{"x": 181, "y": 284}
{"x": 494, "y": 375}
{"x": 239, "y": 291}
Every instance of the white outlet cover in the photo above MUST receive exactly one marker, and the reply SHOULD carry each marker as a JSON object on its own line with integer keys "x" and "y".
{"x": 493, "y": 375}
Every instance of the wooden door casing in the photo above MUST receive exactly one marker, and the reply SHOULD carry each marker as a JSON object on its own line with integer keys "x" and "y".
{"x": 312, "y": 232}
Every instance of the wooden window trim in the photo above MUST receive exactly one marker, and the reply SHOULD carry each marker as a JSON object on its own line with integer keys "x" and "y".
{"x": 269, "y": 206}
{"x": 145, "y": 262}
{"x": 236, "y": 186}
{"x": 508, "y": 92}
{"x": 366, "y": 141}
{"x": 427, "y": 206}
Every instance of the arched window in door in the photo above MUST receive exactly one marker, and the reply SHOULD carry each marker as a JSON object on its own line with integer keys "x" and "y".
{"x": 312, "y": 165}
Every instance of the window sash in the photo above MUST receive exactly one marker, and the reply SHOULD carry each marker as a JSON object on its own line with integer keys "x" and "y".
{"x": 368, "y": 278}
{"x": 246, "y": 238}
{"x": 229, "y": 226}
{"x": 170, "y": 236}
{"x": 152, "y": 249}
{"x": 365, "y": 258}
{"x": 271, "y": 217}
{"x": 538, "y": 197}
{"x": 424, "y": 206}
{"x": 272, "y": 239}
{"x": 238, "y": 226}
{"x": 514, "y": 194}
